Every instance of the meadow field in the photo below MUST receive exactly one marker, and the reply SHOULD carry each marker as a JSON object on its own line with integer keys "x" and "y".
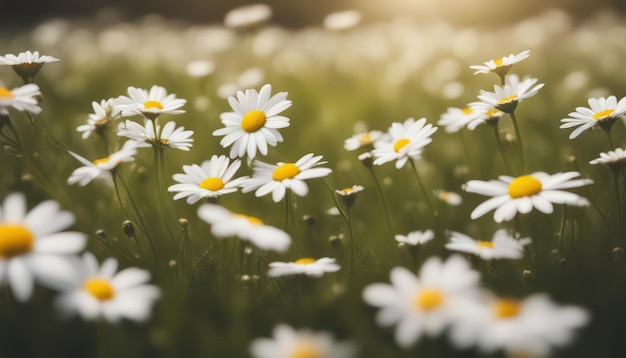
{"x": 328, "y": 201}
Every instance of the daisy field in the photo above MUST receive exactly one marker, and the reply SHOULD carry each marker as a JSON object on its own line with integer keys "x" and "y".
{"x": 352, "y": 186}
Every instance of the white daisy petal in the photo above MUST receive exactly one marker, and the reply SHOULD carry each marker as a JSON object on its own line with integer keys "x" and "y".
{"x": 521, "y": 194}
{"x": 246, "y": 128}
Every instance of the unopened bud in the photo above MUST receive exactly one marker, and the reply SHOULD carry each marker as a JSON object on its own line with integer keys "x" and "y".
{"x": 617, "y": 253}
{"x": 129, "y": 228}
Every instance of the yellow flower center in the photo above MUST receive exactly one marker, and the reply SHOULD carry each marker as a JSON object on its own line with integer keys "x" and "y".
{"x": 602, "y": 114}
{"x": 525, "y": 185}
{"x": 347, "y": 191}
{"x": 99, "y": 288}
{"x": 15, "y": 240}
{"x": 212, "y": 184}
{"x": 508, "y": 99}
{"x": 305, "y": 261}
{"x": 5, "y": 93}
{"x": 251, "y": 219}
{"x": 253, "y": 121}
{"x": 467, "y": 111}
{"x": 400, "y": 143}
{"x": 153, "y": 104}
{"x": 498, "y": 62}
{"x": 102, "y": 123}
{"x": 492, "y": 113}
{"x": 506, "y": 308}
{"x": 101, "y": 160}
{"x": 305, "y": 350}
{"x": 365, "y": 139}
{"x": 487, "y": 244}
{"x": 285, "y": 171}
{"x": 428, "y": 299}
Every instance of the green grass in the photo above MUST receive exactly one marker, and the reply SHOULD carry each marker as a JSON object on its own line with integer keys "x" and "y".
{"x": 336, "y": 80}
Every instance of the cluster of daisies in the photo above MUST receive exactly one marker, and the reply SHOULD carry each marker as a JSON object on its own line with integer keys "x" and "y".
{"x": 444, "y": 297}
{"x": 250, "y": 129}
{"x": 34, "y": 248}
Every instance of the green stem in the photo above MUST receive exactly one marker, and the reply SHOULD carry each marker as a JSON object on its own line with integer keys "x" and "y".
{"x": 138, "y": 216}
{"x": 351, "y": 238}
{"x": 496, "y": 132}
{"x": 466, "y": 151}
{"x": 7, "y": 120}
{"x": 47, "y": 137}
{"x": 102, "y": 338}
{"x": 160, "y": 186}
{"x": 562, "y": 231}
{"x": 518, "y": 138}
{"x": 381, "y": 196}
{"x": 423, "y": 189}
{"x": 609, "y": 138}
{"x": 618, "y": 196}
{"x": 334, "y": 196}
{"x": 287, "y": 208}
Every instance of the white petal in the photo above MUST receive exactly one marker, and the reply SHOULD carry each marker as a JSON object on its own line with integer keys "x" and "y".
{"x": 408, "y": 332}
{"x": 20, "y": 278}
{"x": 61, "y": 243}
{"x": 55, "y": 271}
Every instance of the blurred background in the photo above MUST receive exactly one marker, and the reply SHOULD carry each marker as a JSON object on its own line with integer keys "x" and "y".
{"x": 406, "y": 58}
{"x": 301, "y": 13}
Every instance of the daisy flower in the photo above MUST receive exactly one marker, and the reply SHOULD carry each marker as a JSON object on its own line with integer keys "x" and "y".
{"x": 247, "y": 16}
{"x": 26, "y": 64}
{"x": 502, "y": 65}
{"x": 101, "y": 291}
{"x": 101, "y": 168}
{"x": 528, "y": 327}
{"x": 148, "y": 136}
{"x": 200, "y": 68}
{"x": 406, "y": 142}
{"x": 485, "y": 114}
{"x": 209, "y": 180}
{"x": 304, "y": 266}
{"x": 501, "y": 246}
{"x": 415, "y": 238}
{"x": 21, "y": 98}
{"x": 521, "y": 194}
{"x": 449, "y": 197}
{"x": 276, "y": 179}
{"x": 33, "y": 247}
{"x": 423, "y": 305}
{"x": 150, "y": 104}
{"x": 456, "y": 118}
{"x": 507, "y": 97}
{"x": 602, "y": 111}
{"x": 615, "y": 159}
{"x": 342, "y": 20}
{"x": 349, "y": 194}
{"x": 254, "y": 123}
{"x": 360, "y": 140}
{"x": 98, "y": 121}
{"x": 226, "y": 224}
{"x": 290, "y": 343}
